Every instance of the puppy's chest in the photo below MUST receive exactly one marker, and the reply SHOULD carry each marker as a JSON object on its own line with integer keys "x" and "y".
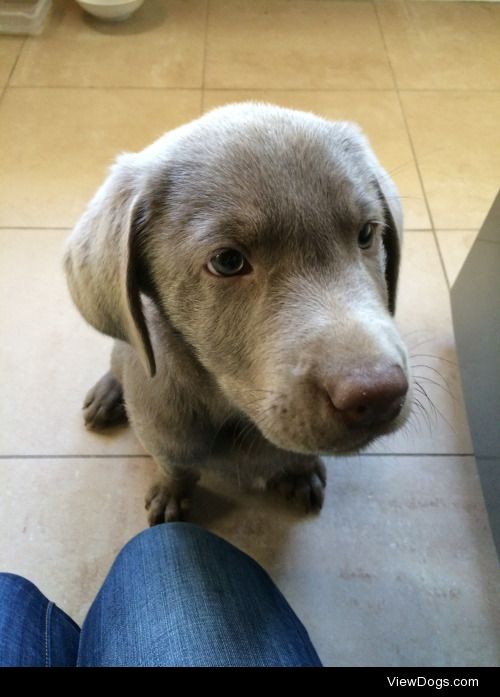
{"x": 236, "y": 433}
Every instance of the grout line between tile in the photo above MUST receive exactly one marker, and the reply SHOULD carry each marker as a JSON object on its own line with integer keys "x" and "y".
{"x": 204, "y": 66}
{"x": 358, "y": 455}
{"x": 3, "y": 90}
{"x": 414, "y": 153}
{"x": 69, "y": 227}
{"x": 256, "y": 88}
{"x": 457, "y": 229}
{"x": 73, "y": 457}
{"x": 236, "y": 88}
{"x": 148, "y": 457}
{"x": 441, "y": 229}
{"x": 141, "y": 88}
{"x": 37, "y": 227}
{"x": 16, "y": 61}
{"x": 421, "y": 230}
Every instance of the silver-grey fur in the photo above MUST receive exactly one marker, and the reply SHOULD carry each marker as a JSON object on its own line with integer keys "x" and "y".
{"x": 236, "y": 372}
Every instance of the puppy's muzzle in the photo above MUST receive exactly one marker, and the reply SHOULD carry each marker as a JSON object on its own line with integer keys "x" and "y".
{"x": 368, "y": 397}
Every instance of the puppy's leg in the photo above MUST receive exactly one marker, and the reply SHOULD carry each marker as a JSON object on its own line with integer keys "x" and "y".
{"x": 169, "y": 427}
{"x": 169, "y": 496}
{"x": 303, "y": 481}
{"x": 298, "y": 477}
{"x": 104, "y": 406}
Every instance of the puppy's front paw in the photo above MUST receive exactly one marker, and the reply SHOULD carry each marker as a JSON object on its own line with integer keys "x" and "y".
{"x": 162, "y": 505}
{"x": 306, "y": 486}
{"x": 104, "y": 406}
{"x": 168, "y": 499}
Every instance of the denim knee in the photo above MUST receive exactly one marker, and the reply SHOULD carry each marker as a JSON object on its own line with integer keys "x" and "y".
{"x": 180, "y": 534}
{"x": 187, "y": 543}
{"x": 178, "y": 595}
{"x": 33, "y": 631}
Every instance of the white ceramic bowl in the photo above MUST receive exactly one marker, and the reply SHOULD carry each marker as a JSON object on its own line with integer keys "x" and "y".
{"x": 112, "y": 10}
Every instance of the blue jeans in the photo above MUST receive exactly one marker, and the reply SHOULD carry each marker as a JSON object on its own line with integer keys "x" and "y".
{"x": 176, "y": 595}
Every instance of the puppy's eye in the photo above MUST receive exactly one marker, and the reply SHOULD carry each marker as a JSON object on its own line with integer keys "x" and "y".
{"x": 366, "y": 235}
{"x": 228, "y": 262}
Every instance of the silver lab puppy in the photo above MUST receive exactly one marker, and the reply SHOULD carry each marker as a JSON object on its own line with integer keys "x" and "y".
{"x": 246, "y": 264}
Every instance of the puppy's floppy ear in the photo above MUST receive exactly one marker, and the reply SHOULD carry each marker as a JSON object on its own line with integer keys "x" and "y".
{"x": 102, "y": 263}
{"x": 352, "y": 138}
{"x": 393, "y": 232}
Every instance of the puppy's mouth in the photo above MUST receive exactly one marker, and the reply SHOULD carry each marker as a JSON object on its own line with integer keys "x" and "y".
{"x": 345, "y": 444}
{"x": 339, "y": 444}
{"x": 354, "y": 442}
{"x": 324, "y": 430}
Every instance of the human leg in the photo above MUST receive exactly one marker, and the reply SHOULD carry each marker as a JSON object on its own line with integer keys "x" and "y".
{"x": 178, "y": 595}
{"x": 33, "y": 631}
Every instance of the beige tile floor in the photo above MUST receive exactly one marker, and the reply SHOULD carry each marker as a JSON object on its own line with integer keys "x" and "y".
{"x": 400, "y": 568}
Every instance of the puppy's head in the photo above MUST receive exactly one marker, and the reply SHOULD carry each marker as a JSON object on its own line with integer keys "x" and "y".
{"x": 270, "y": 240}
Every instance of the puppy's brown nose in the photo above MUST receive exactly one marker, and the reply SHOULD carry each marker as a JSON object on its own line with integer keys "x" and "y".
{"x": 369, "y": 397}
